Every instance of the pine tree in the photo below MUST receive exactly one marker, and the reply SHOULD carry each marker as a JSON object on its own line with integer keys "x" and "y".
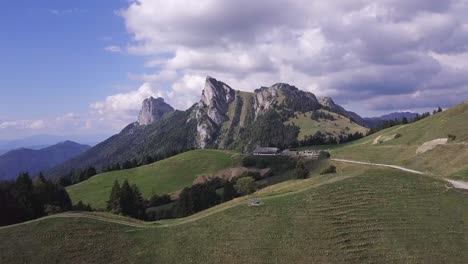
{"x": 126, "y": 198}
{"x": 113, "y": 204}
{"x": 404, "y": 120}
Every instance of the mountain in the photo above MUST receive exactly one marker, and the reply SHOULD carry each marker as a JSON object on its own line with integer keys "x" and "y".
{"x": 377, "y": 121}
{"x": 329, "y": 104}
{"x": 152, "y": 110}
{"x": 280, "y": 115}
{"x": 42, "y": 141}
{"x": 34, "y": 161}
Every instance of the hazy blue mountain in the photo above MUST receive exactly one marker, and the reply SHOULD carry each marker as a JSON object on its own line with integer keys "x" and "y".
{"x": 34, "y": 161}
{"x": 377, "y": 121}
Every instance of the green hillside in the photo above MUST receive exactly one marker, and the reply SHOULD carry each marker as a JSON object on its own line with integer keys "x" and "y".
{"x": 308, "y": 126}
{"x": 164, "y": 176}
{"x": 445, "y": 160}
{"x": 359, "y": 215}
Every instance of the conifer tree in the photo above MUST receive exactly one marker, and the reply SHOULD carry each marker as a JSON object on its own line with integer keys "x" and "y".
{"x": 113, "y": 204}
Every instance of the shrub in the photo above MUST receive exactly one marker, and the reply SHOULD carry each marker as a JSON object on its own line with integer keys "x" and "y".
{"x": 398, "y": 135}
{"x": 324, "y": 155}
{"x": 301, "y": 171}
{"x": 452, "y": 137}
{"x": 329, "y": 170}
{"x": 245, "y": 185}
{"x": 248, "y": 161}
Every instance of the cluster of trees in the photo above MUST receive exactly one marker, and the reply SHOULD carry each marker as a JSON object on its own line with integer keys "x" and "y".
{"x": 317, "y": 115}
{"x": 126, "y": 200}
{"x": 269, "y": 130}
{"x": 403, "y": 121}
{"x": 76, "y": 176}
{"x": 320, "y": 138}
{"x": 24, "y": 199}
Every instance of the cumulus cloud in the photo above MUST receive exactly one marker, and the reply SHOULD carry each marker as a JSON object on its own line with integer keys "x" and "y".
{"x": 381, "y": 55}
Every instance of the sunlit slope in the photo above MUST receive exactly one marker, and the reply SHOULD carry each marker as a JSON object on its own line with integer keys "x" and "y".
{"x": 446, "y": 160}
{"x": 379, "y": 215}
{"x": 164, "y": 176}
{"x": 340, "y": 126}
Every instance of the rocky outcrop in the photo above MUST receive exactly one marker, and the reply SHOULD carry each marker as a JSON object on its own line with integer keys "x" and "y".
{"x": 212, "y": 110}
{"x": 330, "y": 105}
{"x": 283, "y": 94}
{"x": 152, "y": 110}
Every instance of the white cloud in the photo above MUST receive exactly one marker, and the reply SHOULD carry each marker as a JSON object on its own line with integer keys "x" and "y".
{"x": 113, "y": 49}
{"x": 361, "y": 52}
{"x": 37, "y": 124}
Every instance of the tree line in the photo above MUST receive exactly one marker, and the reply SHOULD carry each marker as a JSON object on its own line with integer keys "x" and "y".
{"x": 403, "y": 121}
{"x": 24, "y": 199}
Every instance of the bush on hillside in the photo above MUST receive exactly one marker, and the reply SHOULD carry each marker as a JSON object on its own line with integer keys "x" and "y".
{"x": 329, "y": 170}
{"x": 301, "y": 171}
{"x": 245, "y": 185}
{"x": 452, "y": 137}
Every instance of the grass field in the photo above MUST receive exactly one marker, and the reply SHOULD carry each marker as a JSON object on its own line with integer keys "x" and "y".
{"x": 449, "y": 160}
{"x": 360, "y": 215}
{"x": 164, "y": 176}
{"x": 309, "y": 127}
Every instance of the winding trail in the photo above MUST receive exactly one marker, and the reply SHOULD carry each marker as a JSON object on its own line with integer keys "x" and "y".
{"x": 379, "y": 165}
{"x": 456, "y": 184}
{"x": 214, "y": 210}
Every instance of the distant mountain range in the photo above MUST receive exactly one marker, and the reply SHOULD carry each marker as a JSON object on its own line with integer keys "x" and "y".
{"x": 378, "y": 121}
{"x": 34, "y": 161}
{"x": 43, "y": 141}
{"x": 224, "y": 118}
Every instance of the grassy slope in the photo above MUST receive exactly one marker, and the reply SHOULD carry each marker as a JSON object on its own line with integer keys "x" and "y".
{"x": 356, "y": 216}
{"x": 309, "y": 127}
{"x": 449, "y": 160}
{"x": 164, "y": 176}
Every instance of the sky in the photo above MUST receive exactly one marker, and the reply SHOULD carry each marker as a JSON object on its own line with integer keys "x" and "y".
{"x": 84, "y": 67}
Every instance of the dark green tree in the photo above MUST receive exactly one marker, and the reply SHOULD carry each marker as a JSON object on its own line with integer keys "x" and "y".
{"x": 301, "y": 171}
{"x": 113, "y": 204}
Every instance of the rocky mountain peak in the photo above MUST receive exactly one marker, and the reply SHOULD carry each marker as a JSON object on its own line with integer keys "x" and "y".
{"x": 212, "y": 109}
{"x": 328, "y": 102}
{"x": 152, "y": 110}
{"x": 283, "y": 93}
{"x": 215, "y": 99}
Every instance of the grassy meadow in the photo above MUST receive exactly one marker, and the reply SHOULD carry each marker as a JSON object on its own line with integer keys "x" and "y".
{"x": 359, "y": 215}
{"x": 308, "y": 126}
{"x": 161, "y": 177}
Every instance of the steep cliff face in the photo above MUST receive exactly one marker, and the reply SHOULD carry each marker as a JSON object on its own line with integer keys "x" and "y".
{"x": 212, "y": 109}
{"x": 284, "y": 95}
{"x": 152, "y": 110}
{"x": 329, "y": 104}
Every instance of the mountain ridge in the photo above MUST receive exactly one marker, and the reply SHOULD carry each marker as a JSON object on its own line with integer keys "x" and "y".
{"x": 33, "y": 161}
{"x": 223, "y": 118}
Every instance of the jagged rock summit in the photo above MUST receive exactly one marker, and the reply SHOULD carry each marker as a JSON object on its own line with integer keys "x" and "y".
{"x": 280, "y": 115}
{"x": 152, "y": 110}
{"x": 329, "y": 104}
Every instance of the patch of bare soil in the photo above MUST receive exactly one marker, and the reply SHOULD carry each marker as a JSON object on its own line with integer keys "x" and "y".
{"x": 431, "y": 145}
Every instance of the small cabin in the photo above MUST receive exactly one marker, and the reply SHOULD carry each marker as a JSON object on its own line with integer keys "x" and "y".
{"x": 261, "y": 151}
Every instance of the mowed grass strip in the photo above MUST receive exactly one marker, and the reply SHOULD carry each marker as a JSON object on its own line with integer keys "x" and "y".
{"x": 164, "y": 176}
{"x": 376, "y": 216}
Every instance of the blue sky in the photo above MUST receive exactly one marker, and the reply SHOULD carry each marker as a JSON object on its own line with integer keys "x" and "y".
{"x": 84, "y": 67}
{"x": 53, "y": 57}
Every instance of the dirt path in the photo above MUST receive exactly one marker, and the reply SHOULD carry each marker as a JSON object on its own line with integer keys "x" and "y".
{"x": 379, "y": 165}
{"x": 456, "y": 184}
{"x": 234, "y": 203}
{"x": 459, "y": 184}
